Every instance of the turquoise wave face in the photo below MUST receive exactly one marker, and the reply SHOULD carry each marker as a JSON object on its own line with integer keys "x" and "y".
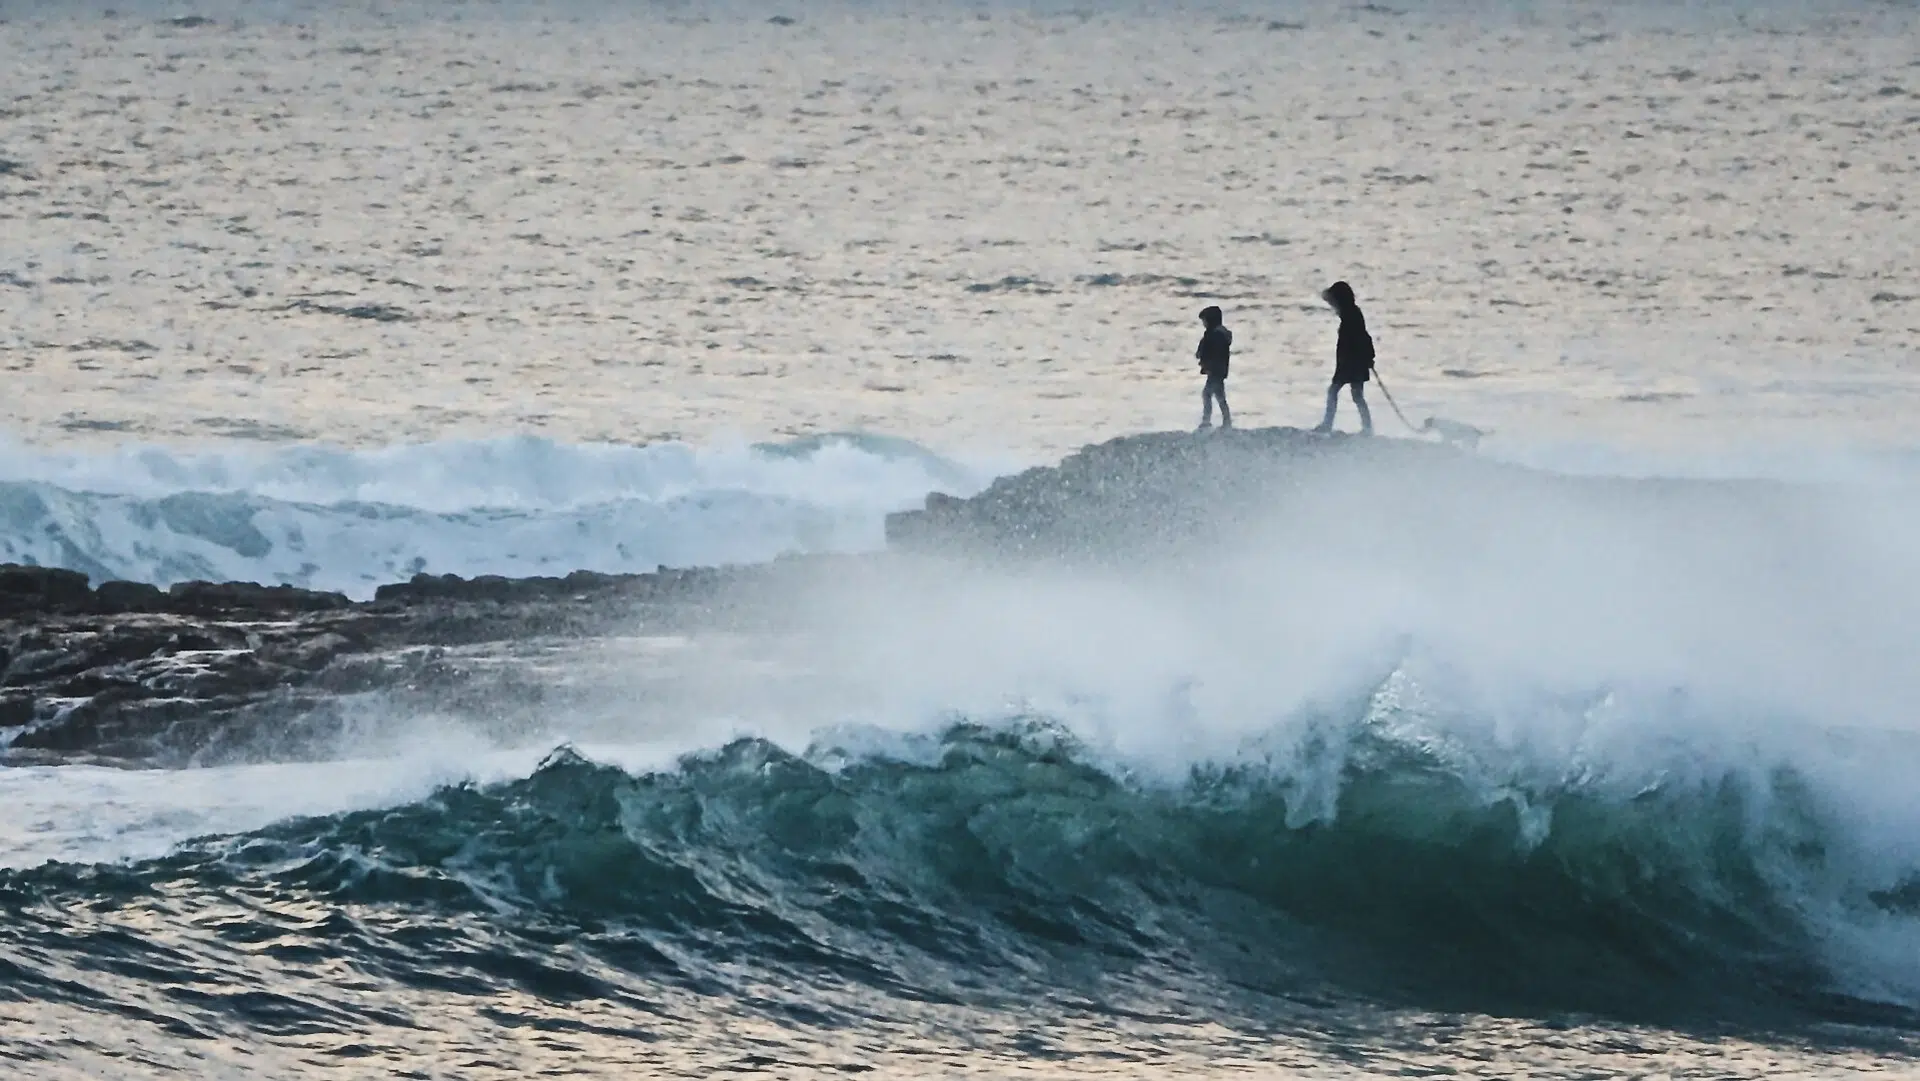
{"x": 983, "y": 864}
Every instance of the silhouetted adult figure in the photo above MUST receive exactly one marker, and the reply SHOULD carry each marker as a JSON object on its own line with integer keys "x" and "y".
{"x": 1216, "y": 343}
{"x": 1353, "y": 357}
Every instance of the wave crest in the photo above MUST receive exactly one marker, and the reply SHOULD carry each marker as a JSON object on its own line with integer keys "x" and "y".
{"x": 324, "y": 518}
{"x": 1011, "y": 849}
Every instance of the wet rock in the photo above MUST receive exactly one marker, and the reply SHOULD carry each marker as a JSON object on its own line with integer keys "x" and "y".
{"x": 40, "y": 589}
{"x": 204, "y": 671}
{"x": 213, "y": 598}
{"x": 118, "y": 596}
{"x": 419, "y": 588}
{"x": 313, "y": 653}
{"x": 1145, "y": 494}
{"x": 494, "y": 588}
{"x": 132, "y": 675}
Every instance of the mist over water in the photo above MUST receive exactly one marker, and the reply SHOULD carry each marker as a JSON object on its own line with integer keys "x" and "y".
{"x": 1465, "y": 742}
{"x": 1463, "y": 769}
{"x": 331, "y": 518}
{"x": 1472, "y": 740}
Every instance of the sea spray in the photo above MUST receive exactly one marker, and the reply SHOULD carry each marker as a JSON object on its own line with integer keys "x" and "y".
{"x": 1013, "y": 850}
{"x": 352, "y": 520}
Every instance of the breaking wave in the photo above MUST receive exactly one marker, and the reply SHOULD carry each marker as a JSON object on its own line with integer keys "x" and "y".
{"x": 351, "y": 520}
{"x": 1638, "y": 749}
{"x": 1369, "y": 859}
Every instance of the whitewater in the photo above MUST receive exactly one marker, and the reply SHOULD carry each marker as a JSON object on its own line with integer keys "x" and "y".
{"x": 351, "y": 520}
{"x": 1589, "y": 754}
{"x": 1625, "y": 758}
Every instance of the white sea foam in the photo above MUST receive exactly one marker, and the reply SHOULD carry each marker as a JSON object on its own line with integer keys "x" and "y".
{"x": 1745, "y": 642}
{"x": 93, "y": 814}
{"x": 1598, "y": 640}
{"x": 350, "y": 520}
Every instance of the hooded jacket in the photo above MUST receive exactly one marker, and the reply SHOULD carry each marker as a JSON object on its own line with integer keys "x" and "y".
{"x": 1215, "y": 347}
{"x": 1353, "y": 354}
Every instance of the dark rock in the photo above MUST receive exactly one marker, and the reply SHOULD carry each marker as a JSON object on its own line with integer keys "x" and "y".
{"x": 1145, "y": 494}
{"x": 496, "y": 589}
{"x": 213, "y": 598}
{"x": 41, "y": 589}
{"x": 421, "y": 587}
{"x": 591, "y": 580}
{"x": 63, "y": 670}
{"x": 123, "y": 643}
{"x": 118, "y": 596}
{"x": 191, "y": 642}
{"x": 28, "y": 664}
{"x": 311, "y": 654}
{"x": 491, "y": 587}
{"x": 1175, "y": 501}
{"x": 205, "y": 672}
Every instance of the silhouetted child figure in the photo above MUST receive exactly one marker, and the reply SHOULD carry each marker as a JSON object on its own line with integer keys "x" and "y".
{"x": 1353, "y": 357}
{"x": 1216, "y": 342}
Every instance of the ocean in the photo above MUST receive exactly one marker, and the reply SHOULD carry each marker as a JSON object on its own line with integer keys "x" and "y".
{"x": 1606, "y": 779}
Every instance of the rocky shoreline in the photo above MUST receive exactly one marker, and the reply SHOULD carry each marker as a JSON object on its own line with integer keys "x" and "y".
{"x": 1165, "y": 495}
{"x": 126, "y": 673}
{"x": 1151, "y": 493}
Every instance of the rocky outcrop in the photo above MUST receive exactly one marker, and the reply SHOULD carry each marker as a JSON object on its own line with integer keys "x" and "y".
{"x": 44, "y": 591}
{"x": 203, "y": 671}
{"x": 127, "y": 673}
{"x": 1143, "y": 494}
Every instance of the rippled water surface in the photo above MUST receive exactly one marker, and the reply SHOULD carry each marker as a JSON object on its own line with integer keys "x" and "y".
{"x": 985, "y": 226}
{"x": 1445, "y": 782}
{"x": 999, "y": 908}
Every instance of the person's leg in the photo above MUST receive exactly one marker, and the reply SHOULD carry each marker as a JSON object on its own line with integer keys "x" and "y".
{"x": 1206, "y": 405}
{"x": 1333, "y": 403}
{"x": 1220, "y": 391}
{"x": 1360, "y": 403}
